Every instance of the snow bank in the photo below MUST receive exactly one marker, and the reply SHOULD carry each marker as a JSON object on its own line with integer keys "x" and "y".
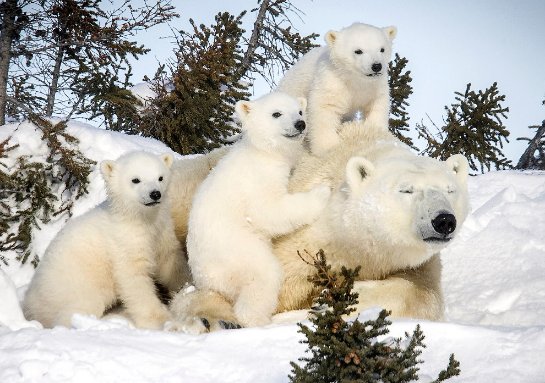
{"x": 493, "y": 279}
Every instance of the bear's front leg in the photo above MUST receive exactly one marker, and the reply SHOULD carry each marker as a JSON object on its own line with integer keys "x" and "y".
{"x": 325, "y": 114}
{"x": 377, "y": 112}
{"x": 172, "y": 269}
{"x": 415, "y": 293}
{"x": 137, "y": 292}
{"x": 287, "y": 213}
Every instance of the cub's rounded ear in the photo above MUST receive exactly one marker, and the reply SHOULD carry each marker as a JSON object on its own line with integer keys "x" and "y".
{"x": 358, "y": 169}
{"x": 302, "y": 102}
{"x": 242, "y": 109}
{"x": 331, "y": 37}
{"x": 167, "y": 159}
{"x": 390, "y": 31}
{"x": 107, "y": 168}
{"x": 459, "y": 165}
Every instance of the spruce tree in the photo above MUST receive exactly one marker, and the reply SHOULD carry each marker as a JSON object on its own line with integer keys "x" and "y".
{"x": 473, "y": 127}
{"x": 213, "y": 69}
{"x": 274, "y": 45}
{"x": 74, "y": 55}
{"x": 534, "y": 155}
{"x": 14, "y": 20}
{"x": 343, "y": 351}
{"x": 196, "y": 96}
{"x": 400, "y": 89}
{"x": 34, "y": 188}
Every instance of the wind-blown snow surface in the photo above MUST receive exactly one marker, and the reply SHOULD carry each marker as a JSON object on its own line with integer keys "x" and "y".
{"x": 494, "y": 284}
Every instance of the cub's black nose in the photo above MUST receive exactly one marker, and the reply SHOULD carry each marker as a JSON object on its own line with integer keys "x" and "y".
{"x": 444, "y": 223}
{"x": 155, "y": 195}
{"x": 300, "y": 125}
{"x": 376, "y": 67}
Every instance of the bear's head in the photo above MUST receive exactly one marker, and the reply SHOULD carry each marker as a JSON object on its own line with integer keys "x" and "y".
{"x": 405, "y": 204}
{"x": 362, "y": 50}
{"x": 274, "y": 122}
{"x": 137, "y": 180}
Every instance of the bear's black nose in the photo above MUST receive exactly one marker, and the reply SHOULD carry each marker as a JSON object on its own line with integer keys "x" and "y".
{"x": 376, "y": 67}
{"x": 444, "y": 223}
{"x": 300, "y": 125}
{"x": 155, "y": 195}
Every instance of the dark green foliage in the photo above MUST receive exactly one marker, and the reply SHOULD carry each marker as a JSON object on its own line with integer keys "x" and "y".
{"x": 344, "y": 351}
{"x": 213, "y": 69}
{"x": 400, "y": 90}
{"x": 474, "y": 128}
{"x": 534, "y": 155}
{"x": 76, "y": 57}
{"x": 34, "y": 190}
{"x": 196, "y": 97}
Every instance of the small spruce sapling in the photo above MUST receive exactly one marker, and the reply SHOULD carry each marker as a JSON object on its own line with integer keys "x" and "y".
{"x": 344, "y": 351}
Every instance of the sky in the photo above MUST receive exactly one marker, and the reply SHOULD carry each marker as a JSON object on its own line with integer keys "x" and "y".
{"x": 448, "y": 44}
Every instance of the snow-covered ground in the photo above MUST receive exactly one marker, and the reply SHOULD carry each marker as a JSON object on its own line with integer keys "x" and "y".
{"x": 494, "y": 284}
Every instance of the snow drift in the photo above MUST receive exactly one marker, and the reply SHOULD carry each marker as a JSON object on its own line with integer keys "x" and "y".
{"x": 493, "y": 280}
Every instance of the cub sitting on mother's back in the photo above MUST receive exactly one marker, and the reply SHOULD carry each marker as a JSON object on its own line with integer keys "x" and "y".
{"x": 348, "y": 75}
{"x": 111, "y": 253}
{"x": 244, "y": 202}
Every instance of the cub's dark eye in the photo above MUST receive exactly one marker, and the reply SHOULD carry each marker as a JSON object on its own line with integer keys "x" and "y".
{"x": 406, "y": 190}
{"x": 135, "y": 181}
{"x": 382, "y": 50}
{"x": 160, "y": 178}
{"x": 276, "y": 114}
{"x": 358, "y": 51}
{"x": 300, "y": 112}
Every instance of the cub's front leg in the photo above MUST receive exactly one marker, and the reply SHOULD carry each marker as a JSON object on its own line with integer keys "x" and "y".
{"x": 136, "y": 289}
{"x": 291, "y": 211}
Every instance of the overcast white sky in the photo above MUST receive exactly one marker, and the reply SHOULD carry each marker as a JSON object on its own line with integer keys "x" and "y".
{"x": 448, "y": 44}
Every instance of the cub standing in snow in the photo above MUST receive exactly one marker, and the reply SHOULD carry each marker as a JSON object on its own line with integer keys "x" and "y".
{"x": 111, "y": 253}
{"x": 348, "y": 75}
{"x": 244, "y": 203}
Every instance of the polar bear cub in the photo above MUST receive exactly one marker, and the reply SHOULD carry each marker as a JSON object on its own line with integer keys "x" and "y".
{"x": 244, "y": 202}
{"x": 111, "y": 253}
{"x": 348, "y": 75}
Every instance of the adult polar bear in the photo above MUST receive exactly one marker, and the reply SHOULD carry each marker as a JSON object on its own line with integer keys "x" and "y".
{"x": 348, "y": 75}
{"x": 391, "y": 212}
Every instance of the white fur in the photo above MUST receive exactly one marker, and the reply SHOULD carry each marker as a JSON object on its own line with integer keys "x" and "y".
{"x": 370, "y": 221}
{"x": 244, "y": 203}
{"x": 338, "y": 82}
{"x": 111, "y": 253}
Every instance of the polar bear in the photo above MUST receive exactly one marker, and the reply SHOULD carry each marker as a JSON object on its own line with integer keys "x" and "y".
{"x": 244, "y": 202}
{"x": 348, "y": 75}
{"x": 110, "y": 254}
{"x": 391, "y": 212}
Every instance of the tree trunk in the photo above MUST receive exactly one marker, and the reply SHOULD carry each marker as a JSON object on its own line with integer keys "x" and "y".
{"x": 254, "y": 39}
{"x": 7, "y": 35}
{"x": 54, "y": 83}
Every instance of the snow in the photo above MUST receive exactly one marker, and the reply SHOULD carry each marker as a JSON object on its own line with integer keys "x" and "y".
{"x": 493, "y": 280}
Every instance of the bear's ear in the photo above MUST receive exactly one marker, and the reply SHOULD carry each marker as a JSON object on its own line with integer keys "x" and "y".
{"x": 302, "y": 102}
{"x": 331, "y": 37}
{"x": 390, "y": 31}
{"x": 107, "y": 168}
{"x": 357, "y": 170}
{"x": 459, "y": 165}
{"x": 167, "y": 159}
{"x": 243, "y": 108}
